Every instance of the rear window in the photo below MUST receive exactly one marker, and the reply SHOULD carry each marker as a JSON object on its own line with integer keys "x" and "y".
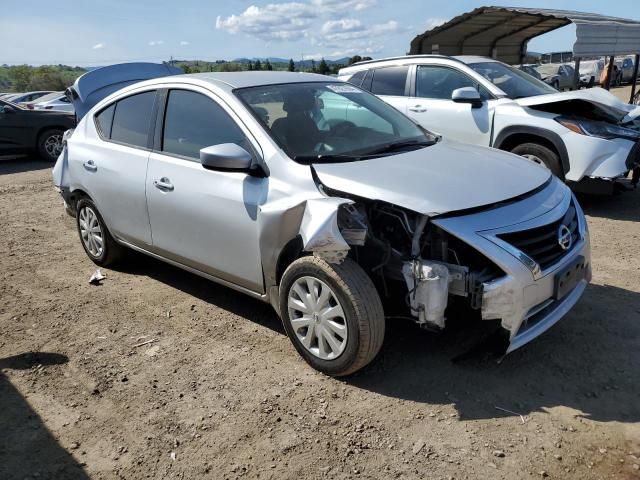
{"x": 356, "y": 78}
{"x": 389, "y": 81}
{"x": 132, "y": 118}
{"x": 104, "y": 120}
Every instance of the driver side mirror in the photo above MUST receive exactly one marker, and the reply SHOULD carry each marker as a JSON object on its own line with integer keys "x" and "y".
{"x": 7, "y": 109}
{"x": 467, "y": 95}
{"x": 225, "y": 156}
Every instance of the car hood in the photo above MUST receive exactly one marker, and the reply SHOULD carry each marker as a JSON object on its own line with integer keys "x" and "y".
{"x": 442, "y": 178}
{"x": 597, "y": 96}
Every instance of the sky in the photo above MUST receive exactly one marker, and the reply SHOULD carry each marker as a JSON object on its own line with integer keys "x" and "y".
{"x": 99, "y": 32}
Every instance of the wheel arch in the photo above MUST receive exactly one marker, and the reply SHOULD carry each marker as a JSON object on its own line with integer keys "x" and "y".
{"x": 515, "y": 135}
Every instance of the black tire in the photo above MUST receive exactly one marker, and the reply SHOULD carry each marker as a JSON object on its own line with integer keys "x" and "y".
{"x": 45, "y": 149}
{"x": 545, "y": 156}
{"x": 361, "y": 306}
{"x": 111, "y": 250}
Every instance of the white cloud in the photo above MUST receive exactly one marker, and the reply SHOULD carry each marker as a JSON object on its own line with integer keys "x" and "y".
{"x": 153, "y": 43}
{"x": 433, "y": 23}
{"x": 291, "y": 21}
{"x": 184, "y": 43}
{"x": 98, "y": 46}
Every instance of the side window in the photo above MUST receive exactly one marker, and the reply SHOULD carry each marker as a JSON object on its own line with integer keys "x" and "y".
{"x": 104, "y": 120}
{"x": 356, "y": 78}
{"x": 389, "y": 81}
{"x": 194, "y": 121}
{"x": 132, "y": 118}
{"x": 440, "y": 82}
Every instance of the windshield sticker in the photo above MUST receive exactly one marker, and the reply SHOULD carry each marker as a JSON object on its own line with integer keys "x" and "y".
{"x": 344, "y": 89}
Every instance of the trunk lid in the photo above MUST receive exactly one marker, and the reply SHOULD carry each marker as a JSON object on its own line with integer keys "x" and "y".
{"x": 97, "y": 84}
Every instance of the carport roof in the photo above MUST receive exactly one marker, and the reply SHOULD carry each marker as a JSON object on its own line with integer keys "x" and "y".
{"x": 503, "y": 33}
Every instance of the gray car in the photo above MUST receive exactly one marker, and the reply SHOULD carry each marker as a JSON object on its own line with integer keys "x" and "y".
{"x": 560, "y": 77}
{"x": 321, "y": 199}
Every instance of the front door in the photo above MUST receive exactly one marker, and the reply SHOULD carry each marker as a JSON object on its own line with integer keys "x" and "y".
{"x": 203, "y": 218}
{"x": 431, "y": 105}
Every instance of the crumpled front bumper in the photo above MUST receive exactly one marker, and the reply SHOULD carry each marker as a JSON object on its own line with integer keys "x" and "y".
{"x": 523, "y": 299}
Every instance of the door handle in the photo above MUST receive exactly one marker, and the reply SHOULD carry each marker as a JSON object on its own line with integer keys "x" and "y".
{"x": 163, "y": 184}
{"x": 90, "y": 166}
{"x": 418, "y": 109}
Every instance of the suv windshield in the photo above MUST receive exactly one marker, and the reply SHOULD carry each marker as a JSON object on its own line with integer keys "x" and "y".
{"x": 513, "y": 82}
{"x": 332, "y": 122}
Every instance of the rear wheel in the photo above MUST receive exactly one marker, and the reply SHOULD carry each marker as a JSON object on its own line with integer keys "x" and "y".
{"x": 542, "y": 155}
{"x": 332, "y": 314}
{"x": 50, "y": 144}
{"x": 96, "y": 240}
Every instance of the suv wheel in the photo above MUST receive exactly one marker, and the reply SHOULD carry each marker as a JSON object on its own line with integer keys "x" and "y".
{"x": 542, "y": 155}
{"x": 50, "y": 144}
{"x": 332, "y": 314}
{"x": 94, "y": 235}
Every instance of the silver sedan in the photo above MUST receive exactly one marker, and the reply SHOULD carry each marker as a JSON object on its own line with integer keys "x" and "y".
{"x": 323, "y": 200}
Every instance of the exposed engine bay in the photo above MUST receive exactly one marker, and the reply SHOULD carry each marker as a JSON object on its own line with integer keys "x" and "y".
{"x": 418, "y": 269}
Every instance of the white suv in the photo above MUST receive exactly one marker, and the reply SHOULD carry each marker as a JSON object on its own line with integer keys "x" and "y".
{"x": 588, "y": 138}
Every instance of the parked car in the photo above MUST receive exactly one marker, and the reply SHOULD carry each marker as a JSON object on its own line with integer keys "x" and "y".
{"x": 318, "y": 197}
{"x": 9, "y": 96}
{"x": 54, "y": 101}
{"x": 560, "y": 77}
{"x": 23, "y": 130}
{"x": 590, "y": 71}
{"x": 531, "y": 70}
{"x": 626, "y": 67}
{"x": 586, "y": 137}
{"x": 29, "y": 96}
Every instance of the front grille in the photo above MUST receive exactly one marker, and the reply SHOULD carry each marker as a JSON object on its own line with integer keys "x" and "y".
{"x": 541, "y": 243}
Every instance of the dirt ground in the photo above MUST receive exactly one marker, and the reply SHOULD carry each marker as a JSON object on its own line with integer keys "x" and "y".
{"x": 158, "y": 373}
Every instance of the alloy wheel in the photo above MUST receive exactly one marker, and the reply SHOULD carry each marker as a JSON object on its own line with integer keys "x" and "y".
{"x": 91, "y": 231}
{"x": 53, "y": 145}
{"x": 317, "y": 318}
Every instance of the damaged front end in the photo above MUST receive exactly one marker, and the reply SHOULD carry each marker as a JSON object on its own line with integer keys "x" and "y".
{"x": 425, "y": 267}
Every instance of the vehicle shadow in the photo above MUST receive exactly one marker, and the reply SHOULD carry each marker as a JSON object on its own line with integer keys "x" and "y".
{"x": 625, "y": 206}
{"x": 27, "y": 448}
{"x": 240, "y": 304}
{"x": 17, "y": 164}
{"x": 587, "y": 362}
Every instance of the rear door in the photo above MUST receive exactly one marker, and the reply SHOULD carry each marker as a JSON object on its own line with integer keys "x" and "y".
{"x": 16, "y": 131}
{"x": 115, "y": 173}
{"x": 431, "y": 106}
{"x": 389, "y": 83}
{"x": 202, "y": 218}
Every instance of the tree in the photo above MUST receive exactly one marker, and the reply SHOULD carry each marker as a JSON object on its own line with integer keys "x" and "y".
{"x": 323, "y": 68}
{"x": 257, "y": 65}
{"x": 355, "y": 59}
{"x": 313, "y": 65}
{"x": 20, "y": 76}
{"x": 292, "y": 66}
{"x": 250, "y": 65}
{"x": 268, "y": 65}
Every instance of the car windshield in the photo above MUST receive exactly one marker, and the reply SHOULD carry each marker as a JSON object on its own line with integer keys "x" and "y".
{"x": 48, "y": 97}
{"x": 515, "y": 83}
{"x": 332, "y": 122}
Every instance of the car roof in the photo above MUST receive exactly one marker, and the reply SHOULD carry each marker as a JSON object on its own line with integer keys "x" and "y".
{"x": 253, "y": 79}
{"x": 470, "y": 59}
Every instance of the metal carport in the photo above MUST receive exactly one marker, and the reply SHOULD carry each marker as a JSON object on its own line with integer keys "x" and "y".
{"x": 503, "y": 33}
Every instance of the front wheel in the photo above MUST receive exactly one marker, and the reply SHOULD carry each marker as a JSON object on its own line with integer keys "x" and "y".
{"x": 541, "y": 155}
{"x": 50, "y": 144}
{"x": 332, "y": 314}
